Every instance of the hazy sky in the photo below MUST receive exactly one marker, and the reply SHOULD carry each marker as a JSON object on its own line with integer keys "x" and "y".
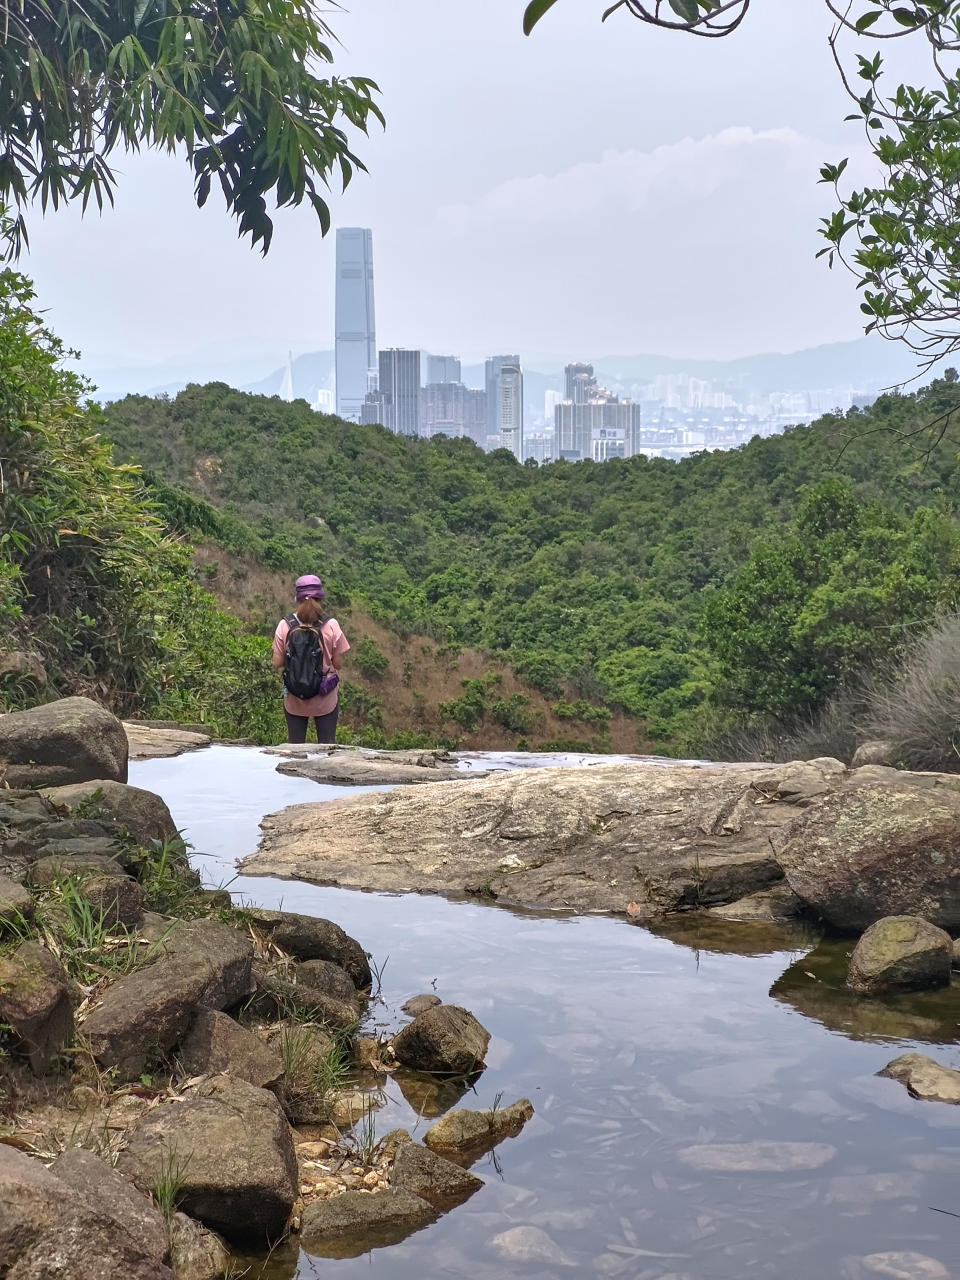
{"x": 592, "y": 189}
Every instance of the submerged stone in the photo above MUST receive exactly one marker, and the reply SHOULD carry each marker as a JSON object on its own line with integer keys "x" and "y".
{"x": 756, "y": 1157}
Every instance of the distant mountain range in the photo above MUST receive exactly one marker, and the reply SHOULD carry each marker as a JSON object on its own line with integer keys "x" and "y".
{"x": 865, "y": 364}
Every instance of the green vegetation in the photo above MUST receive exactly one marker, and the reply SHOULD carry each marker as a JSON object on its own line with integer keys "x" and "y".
{"x": 230, "y": 87}
{"x": 91, "y": 583}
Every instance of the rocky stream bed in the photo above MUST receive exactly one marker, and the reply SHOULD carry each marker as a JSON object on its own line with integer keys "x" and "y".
{"x": 658, "y": 1091}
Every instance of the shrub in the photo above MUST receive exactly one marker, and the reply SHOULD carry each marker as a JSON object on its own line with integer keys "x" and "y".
{"x": 580, "y": 710}
{"x": 514, "y": 713}
{"x": 369, "y": 659}
{"x": 916, "y": 707}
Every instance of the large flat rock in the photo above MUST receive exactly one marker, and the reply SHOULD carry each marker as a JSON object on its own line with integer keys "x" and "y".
{"x": 153, "y": 742}
{"x": 355, "y": 766}
{"x": 659, "y": 837}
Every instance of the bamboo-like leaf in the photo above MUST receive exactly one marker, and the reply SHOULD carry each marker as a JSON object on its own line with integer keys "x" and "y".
{"x": 534, "y": 12}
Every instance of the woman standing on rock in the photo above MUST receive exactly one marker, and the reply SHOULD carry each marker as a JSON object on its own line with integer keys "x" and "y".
{"x": 308, "y": 648}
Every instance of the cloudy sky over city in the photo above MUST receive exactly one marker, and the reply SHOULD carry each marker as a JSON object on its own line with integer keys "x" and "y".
{"x": 590, "y": 190}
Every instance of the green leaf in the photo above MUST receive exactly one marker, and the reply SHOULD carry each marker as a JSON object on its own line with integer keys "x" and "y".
{"x": 534, "y": 12}
{"x": 688, "y": 10}
{"x": 866, "y": 21}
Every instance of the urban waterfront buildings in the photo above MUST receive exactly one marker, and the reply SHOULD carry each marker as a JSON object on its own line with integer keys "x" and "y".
{"x": 355, "y": 325}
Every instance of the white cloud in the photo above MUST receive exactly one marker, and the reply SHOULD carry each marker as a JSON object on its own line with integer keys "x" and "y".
{"x": 705, "y": 246}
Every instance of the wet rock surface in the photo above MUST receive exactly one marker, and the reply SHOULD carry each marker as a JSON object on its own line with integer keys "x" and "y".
{"x": 757, "y": 1157}
{"x": 900, "y": 953}
{"x": 438, "y": 1181}
{"x": 925, "y": 1078}
{"x": 464, "y": 1135}
{"x": 71, "y": 740}
{"x": 600, "y": 838}
{"x": 347, "y": 1225}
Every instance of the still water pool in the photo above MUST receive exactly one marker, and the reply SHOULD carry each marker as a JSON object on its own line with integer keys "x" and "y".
{"x": 634, "y": 1047}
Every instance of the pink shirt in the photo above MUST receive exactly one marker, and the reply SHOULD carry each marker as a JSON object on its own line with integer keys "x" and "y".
{"x": 335, "y": 643}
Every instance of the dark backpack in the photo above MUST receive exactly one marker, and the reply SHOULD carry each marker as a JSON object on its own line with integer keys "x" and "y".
{"x": 303, "y": 675}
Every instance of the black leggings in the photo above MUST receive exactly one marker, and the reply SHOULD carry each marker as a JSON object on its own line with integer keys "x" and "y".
{"x": 326, "y": 726}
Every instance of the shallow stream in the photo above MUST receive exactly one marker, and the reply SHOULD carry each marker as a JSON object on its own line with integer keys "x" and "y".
{"x": 635, "y": 1047}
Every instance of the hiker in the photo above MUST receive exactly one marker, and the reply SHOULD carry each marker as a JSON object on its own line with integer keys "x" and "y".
{"x": 308, "y": 648}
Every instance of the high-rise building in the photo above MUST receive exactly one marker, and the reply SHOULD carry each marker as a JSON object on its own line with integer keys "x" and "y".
{"x": 599, "y": 430}
{"x": 511, "y": 409}
{"x": 578, "y": 383}
{"x": 356, "y": 337}
{"x": 492, "y": 381}
{"x": 442, "y": 369}
{"x": 400, "y": 389}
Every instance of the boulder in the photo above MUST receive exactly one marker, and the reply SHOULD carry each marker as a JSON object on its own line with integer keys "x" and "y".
{"x": 16, "y": 903}
{"x": 19, "y": 664}
{"x": 355, "y": 1222}
{"x": 445, "y": 1040}
{"x": 195, "y": 1252}
{"x": 234, "y": 1154}
{"x": 140, "y": 812}
{"x": 330, "y": 978}
{"x": 420, "y": 1004}
{"x": 438, "y": 1181}
{"x": 36, "y": 1000}
{"x": 48, "y": 870}
{"x": 431, "y": 1096}
{"x": 464, "y": 1135}
{"x": 203, "y": 963}
{"x": 876, "y": 751}
{"x": 664, "y": 838}
{"x": 50, "y": 1229}
{"x": 924, "y": 1078}
{"x": 72, "y": 740}
{"x": 886, "y": 843}
{"x": 116, "y": 900}
{"x": 215, "y": 1044}
{"x": 900, "y": 953}
{"x": 278, "y": 996}
{"x": 312, "y": 938}
{"x": 116, "y": 1197}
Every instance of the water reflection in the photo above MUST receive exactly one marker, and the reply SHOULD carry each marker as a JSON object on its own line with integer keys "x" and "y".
{"x": 634, "y": 1045}
{"x": 815, "y": 987}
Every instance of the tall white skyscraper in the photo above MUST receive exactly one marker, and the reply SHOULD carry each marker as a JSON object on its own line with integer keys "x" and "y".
{"x": 492, "y": 370}
{"x": 356, "y": 330}
{"x": 399, "y": 392}
{"x": 511, "y": 409}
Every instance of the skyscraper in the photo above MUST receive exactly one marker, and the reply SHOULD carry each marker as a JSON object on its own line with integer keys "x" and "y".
{"x": 356, "y": 337}
{"x": 400, "y": 390}
{"x": 493, "y": 366}
{"x": 579, "y": 383}
{"x": 442, "y": 369}
{"x": 511, "y": 409}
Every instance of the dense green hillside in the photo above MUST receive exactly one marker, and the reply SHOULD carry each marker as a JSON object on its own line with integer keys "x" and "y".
{"x": 755, "y": 580}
